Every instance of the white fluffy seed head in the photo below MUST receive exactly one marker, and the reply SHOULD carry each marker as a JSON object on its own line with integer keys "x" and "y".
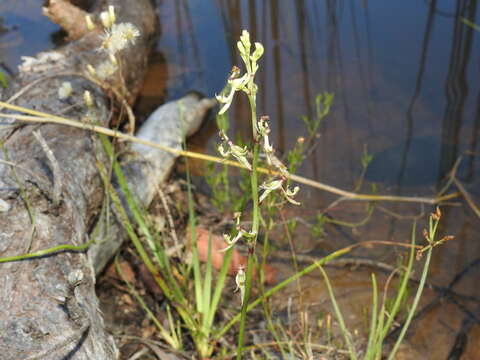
{"x": 106, "y": 69}
{"x": 119, "y": 36}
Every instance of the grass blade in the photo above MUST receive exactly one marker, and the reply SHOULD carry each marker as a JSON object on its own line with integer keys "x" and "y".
{"x": 346, "y": 334}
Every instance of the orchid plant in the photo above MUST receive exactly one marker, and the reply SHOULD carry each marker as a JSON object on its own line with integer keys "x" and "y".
{"x": 249, "y": 159}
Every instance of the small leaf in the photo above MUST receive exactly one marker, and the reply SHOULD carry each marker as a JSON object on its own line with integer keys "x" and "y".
{"x": 3, "y": 80}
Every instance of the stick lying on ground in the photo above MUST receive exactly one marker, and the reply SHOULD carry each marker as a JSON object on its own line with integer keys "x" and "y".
{"x": 38, "y": 117}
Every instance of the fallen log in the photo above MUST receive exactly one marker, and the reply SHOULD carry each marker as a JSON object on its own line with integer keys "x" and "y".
{"x": 51, "y": 192}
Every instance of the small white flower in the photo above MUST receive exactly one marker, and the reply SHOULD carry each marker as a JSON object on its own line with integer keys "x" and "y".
{"x": 65, "y": 90}
{"x": 126, "y": 31}
{"x": 222, "y": 151}
{"x": 240, "y": 154}
{"x": 264, "y": 130}
{"x": 276, "y": 185}
{"x": 266, "y": 146}
{"x": 230, "y": 242}
{"x": 289, "y": 194}
{"x": 119, "y": 36}
{"x": 239, "y": 83}
{"x": 225, "y": 100}
{"x": 240, "y": 281}
{"x": 112, "y": 42}
{"x": 263, "y": 127}
{"x": 257, "y": 54}
{"x": 269, "y": 187}
{"x": 236, "y": 84}
{"x": 278, "y": 164}
{"x": 106, "y": 69}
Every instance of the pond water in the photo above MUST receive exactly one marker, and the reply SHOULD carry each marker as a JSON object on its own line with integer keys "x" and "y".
{"x": 405, "y": 75}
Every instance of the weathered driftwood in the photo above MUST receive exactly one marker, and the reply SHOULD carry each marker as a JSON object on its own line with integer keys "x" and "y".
{"x": 52, "y": 195}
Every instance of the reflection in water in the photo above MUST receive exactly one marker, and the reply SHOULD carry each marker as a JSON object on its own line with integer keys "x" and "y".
{"x": 410, "y": 111}
{"x": 28, "y": 32}
{"x": 387, "y": 65}
{"x": 456, "y": 88}
{"x": 405, "y": 78}
{"x": 277, "y": 68}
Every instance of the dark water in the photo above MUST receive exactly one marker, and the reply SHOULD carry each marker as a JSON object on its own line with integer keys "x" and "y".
{"x": 406, "y": 80}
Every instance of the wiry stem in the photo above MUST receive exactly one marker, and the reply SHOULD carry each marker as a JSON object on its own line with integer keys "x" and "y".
{"x": 255, "y": 221}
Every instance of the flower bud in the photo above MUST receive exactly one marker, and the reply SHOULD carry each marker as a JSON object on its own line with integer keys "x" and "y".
{"x": 105, "y": 18}
{"x": 257, "y": 54}
{"x": 245, "y": 40}
{"x": 65, "y": 90}
{"x": 111, "y": 14}
{"x": 87, "y": 97}
{"x": 90, "y": 24}
{"x": 240, "y": 279}
{"x": 91, "y": 70}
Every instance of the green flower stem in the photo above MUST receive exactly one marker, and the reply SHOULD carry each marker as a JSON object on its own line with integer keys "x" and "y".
{"x": 243, "y": 314}
{"x": 255, "y": 224}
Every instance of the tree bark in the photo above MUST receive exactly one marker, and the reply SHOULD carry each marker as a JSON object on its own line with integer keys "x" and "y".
{"x": 51, "y": 194}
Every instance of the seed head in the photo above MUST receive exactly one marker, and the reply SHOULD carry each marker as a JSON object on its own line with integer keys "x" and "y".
{"x": 106, "y": 69}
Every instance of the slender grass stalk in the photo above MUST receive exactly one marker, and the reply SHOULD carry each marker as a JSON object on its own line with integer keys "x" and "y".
{"x": 125, "y": 221}
{"x": 169, "y": 337}
{"x": 206, "y": 304}
{"x": 400, "y": 294}
{"x": 377, "y": 346}
{"x": 197, "y": 278}
{"x": 346, "y": 334}
{"x": 123, "y": 218}
{"x": 207, "y": 282}
{"x": 373, "y": 320}
{"x": 157, "y": 250}
{"x": 175, "y": 330}
{"x": 434, "y": 220}
{"x": 416, "y": 300}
